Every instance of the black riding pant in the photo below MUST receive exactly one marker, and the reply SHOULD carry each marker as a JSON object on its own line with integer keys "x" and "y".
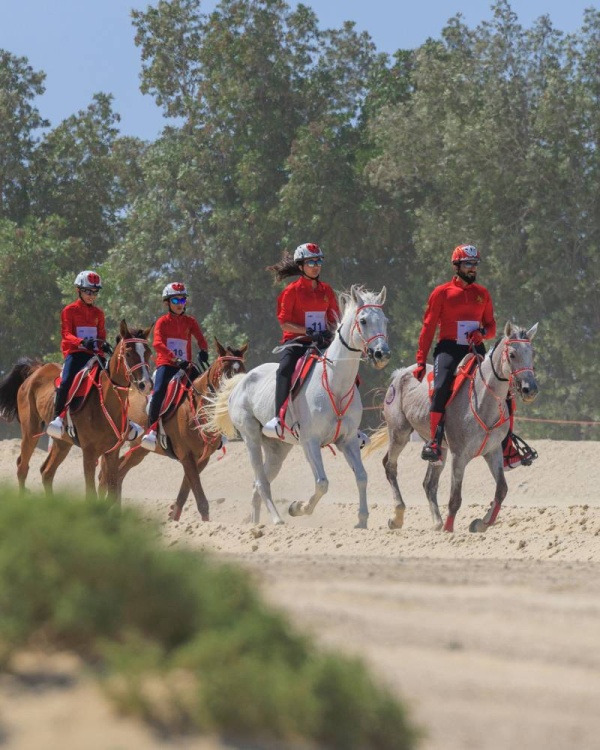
{"x": 285, "y": 371}
{"x": 72, "y": 365}
{"x": 162, "y": 378}
{"x": 446, "y": 357}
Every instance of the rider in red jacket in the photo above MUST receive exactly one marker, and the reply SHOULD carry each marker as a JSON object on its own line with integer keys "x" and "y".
{"x": 83, "y": 336}
{"x": 307, "y": 311}
{"x": 173, "y": 334}
{"x": 462, "y": 311}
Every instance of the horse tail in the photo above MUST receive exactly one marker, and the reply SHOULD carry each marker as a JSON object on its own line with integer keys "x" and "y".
{"x": 10, "y": 384}
{"x": 377, "y": 440}
{"x": 217, "y": 412}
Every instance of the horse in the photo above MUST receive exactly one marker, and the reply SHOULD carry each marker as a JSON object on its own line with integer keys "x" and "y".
{"x": 326, "y": 410}
{"x": 191, "y": 443}
{"x": 101, "y": 423}
{"x": 477, "y": 421}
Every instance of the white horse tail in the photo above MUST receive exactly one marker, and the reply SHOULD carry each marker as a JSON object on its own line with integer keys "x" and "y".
{"x": 217, "y": 411}
{"x": 377, "y": 440}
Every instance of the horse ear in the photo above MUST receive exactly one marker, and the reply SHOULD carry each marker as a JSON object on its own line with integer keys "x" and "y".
{"x": 124, "y": 330}
{"x": 146, "y": 332}
{"x": 355, "y": 295}
{"x": 508, "y": 329}
{"x": 244, "y": 349}
{"x": 532, "y": 331}
{"x": 221, "y": 351}
{"x": 382, "y": 296}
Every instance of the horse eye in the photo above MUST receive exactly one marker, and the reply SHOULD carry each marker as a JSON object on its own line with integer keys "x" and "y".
{"x": 362, "y": 321}
{"x": 512, "y": 355}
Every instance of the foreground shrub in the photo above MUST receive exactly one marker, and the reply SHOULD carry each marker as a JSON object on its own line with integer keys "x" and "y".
{"x": 182, "y": 641}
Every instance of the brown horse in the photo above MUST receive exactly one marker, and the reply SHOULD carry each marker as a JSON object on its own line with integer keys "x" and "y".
{"x": 192, "y": 445}
{"x": 101, "y": 424}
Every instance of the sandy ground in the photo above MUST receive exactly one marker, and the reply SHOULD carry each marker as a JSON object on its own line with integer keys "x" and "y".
{"x": 492, "y": 640}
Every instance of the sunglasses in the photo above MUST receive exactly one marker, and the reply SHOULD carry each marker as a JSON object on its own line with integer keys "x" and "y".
{"x": 313, "y": 263}
{"x": 93, "y": 292}
{"x": 469, "y": 263}
{"x": 178, "y": 300}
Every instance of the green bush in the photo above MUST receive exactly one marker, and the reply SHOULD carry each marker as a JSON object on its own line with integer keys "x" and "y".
{"x": 176, "y": 638}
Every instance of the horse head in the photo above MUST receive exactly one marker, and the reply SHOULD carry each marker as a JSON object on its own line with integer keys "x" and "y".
{"x": 229, "y": 362}
{"x": 132, "y": 355}
{"x": 517, "y": 360}
{"x": 367, "y": 324}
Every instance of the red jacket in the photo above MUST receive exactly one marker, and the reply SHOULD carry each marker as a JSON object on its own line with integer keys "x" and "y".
{"x": 302, "y": 305}
{"x": 457, "y": 308}
{"x": 173, "y": 338}
{"x": 78, "y": 321}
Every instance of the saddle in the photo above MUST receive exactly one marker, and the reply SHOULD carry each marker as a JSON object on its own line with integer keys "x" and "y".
{"x": 465, "y": 369}
{"x": 81, "y": 387}
{"x": 177, "y": 390}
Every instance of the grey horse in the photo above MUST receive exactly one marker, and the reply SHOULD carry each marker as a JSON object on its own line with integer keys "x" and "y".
{"x": 477, "y": 422}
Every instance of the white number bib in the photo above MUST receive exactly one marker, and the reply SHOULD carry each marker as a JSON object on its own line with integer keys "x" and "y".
{"x": 315, "y": 321}
{"x": 178, "y": 347}
{"x": 463, "y": 328}
{"x": 85, "y": 332}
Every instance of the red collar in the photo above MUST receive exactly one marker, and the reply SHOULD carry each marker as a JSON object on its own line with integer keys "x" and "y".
{"x": 308, "y": 282}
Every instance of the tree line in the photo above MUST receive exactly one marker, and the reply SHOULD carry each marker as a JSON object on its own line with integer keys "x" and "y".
{"x": 279, "y": 132}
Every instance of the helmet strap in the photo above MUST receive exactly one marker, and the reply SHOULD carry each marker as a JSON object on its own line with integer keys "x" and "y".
{"x": 306, "y": 276}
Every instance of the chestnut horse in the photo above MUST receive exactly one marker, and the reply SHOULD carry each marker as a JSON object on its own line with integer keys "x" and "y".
{"x": 190, "y": 442}
{"x": 27, "y": 392}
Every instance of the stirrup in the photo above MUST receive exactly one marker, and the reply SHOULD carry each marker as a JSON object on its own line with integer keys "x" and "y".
{"x": 431, "y": 452}
{"x": 56, "y": 428}
{"x": 518, "y": 452}
{"x": 363, "y": 439}
{"x": 149, "y": 441}
{"x": 135, "y": 430}
{"x": 273, "y": 428}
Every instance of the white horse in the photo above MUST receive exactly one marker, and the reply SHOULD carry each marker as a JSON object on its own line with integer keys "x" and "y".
{"x": 326, "y": 410}
{"x": 477, "y": 422}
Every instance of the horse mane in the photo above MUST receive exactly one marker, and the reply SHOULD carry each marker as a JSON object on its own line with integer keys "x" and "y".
{"x": 347, "y": 304}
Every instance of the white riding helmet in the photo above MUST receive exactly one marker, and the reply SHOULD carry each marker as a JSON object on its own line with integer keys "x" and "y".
{"x": 174, "y": 289}
{"x": 88, "y": 280}
{"x": 308, "y": 251}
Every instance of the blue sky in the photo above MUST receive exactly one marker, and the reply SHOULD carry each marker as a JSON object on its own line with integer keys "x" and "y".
{"x": 86, "y": 46}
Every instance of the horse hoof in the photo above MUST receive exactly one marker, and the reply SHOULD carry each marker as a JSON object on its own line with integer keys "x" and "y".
{"x": 362, "y": 522}
{"x": 478, "y": 526}
{"x": 204, "y": 517}
{"x": 295, "y": 509}
{"x": 175, "y": 513}
{"x": 392, "y": 524}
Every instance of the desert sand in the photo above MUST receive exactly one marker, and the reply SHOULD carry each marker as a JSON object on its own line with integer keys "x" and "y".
{"x": 492, "y": 640}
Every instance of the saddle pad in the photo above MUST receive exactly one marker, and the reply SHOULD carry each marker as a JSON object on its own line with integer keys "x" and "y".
{"x": 176, "y": 392}
{"x": 81, "y": 387}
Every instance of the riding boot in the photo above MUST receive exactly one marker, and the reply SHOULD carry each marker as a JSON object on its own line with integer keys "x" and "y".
{"x": 273, "y": 427}
{"x": 56, "y": 428}
{"x": 432, "y": 450}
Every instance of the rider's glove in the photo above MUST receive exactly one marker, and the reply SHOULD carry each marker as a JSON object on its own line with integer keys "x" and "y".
{"x": 203, "y": 359}
{"x": 476, "y": 337}
{"x": 181, "y": 363}
{"x": 88, "y": 343}
{"x": 419, "y": 371}
{"x": 105, "y": 347}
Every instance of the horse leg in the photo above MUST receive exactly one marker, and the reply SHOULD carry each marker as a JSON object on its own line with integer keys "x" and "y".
{"x": 495, "y": 463}
{"x": 90, "y": 460}
{"x": 180, "y": 501}
{"x": 28, "y": 443}
{"x": 397, "y": 441}
{"x": 458, "y": 472}
{"x": 253, "y": 438}
{"x": 191, "y": 469}
{"x": 275, "y": 454}
{"x": 110, "y": 465}
{"x": 312, "y": 451}
{"x": 351, "y": 450}
{"x": 58, "y": 453}
{"x": 430, "y": 485}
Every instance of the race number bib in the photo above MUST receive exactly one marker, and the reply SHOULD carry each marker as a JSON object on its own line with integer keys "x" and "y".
{"x": 315, "y": 321}
{"x": 85, "y": 332}
{"x": 178, "y": 347}
{"x": 464, "y": 327}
